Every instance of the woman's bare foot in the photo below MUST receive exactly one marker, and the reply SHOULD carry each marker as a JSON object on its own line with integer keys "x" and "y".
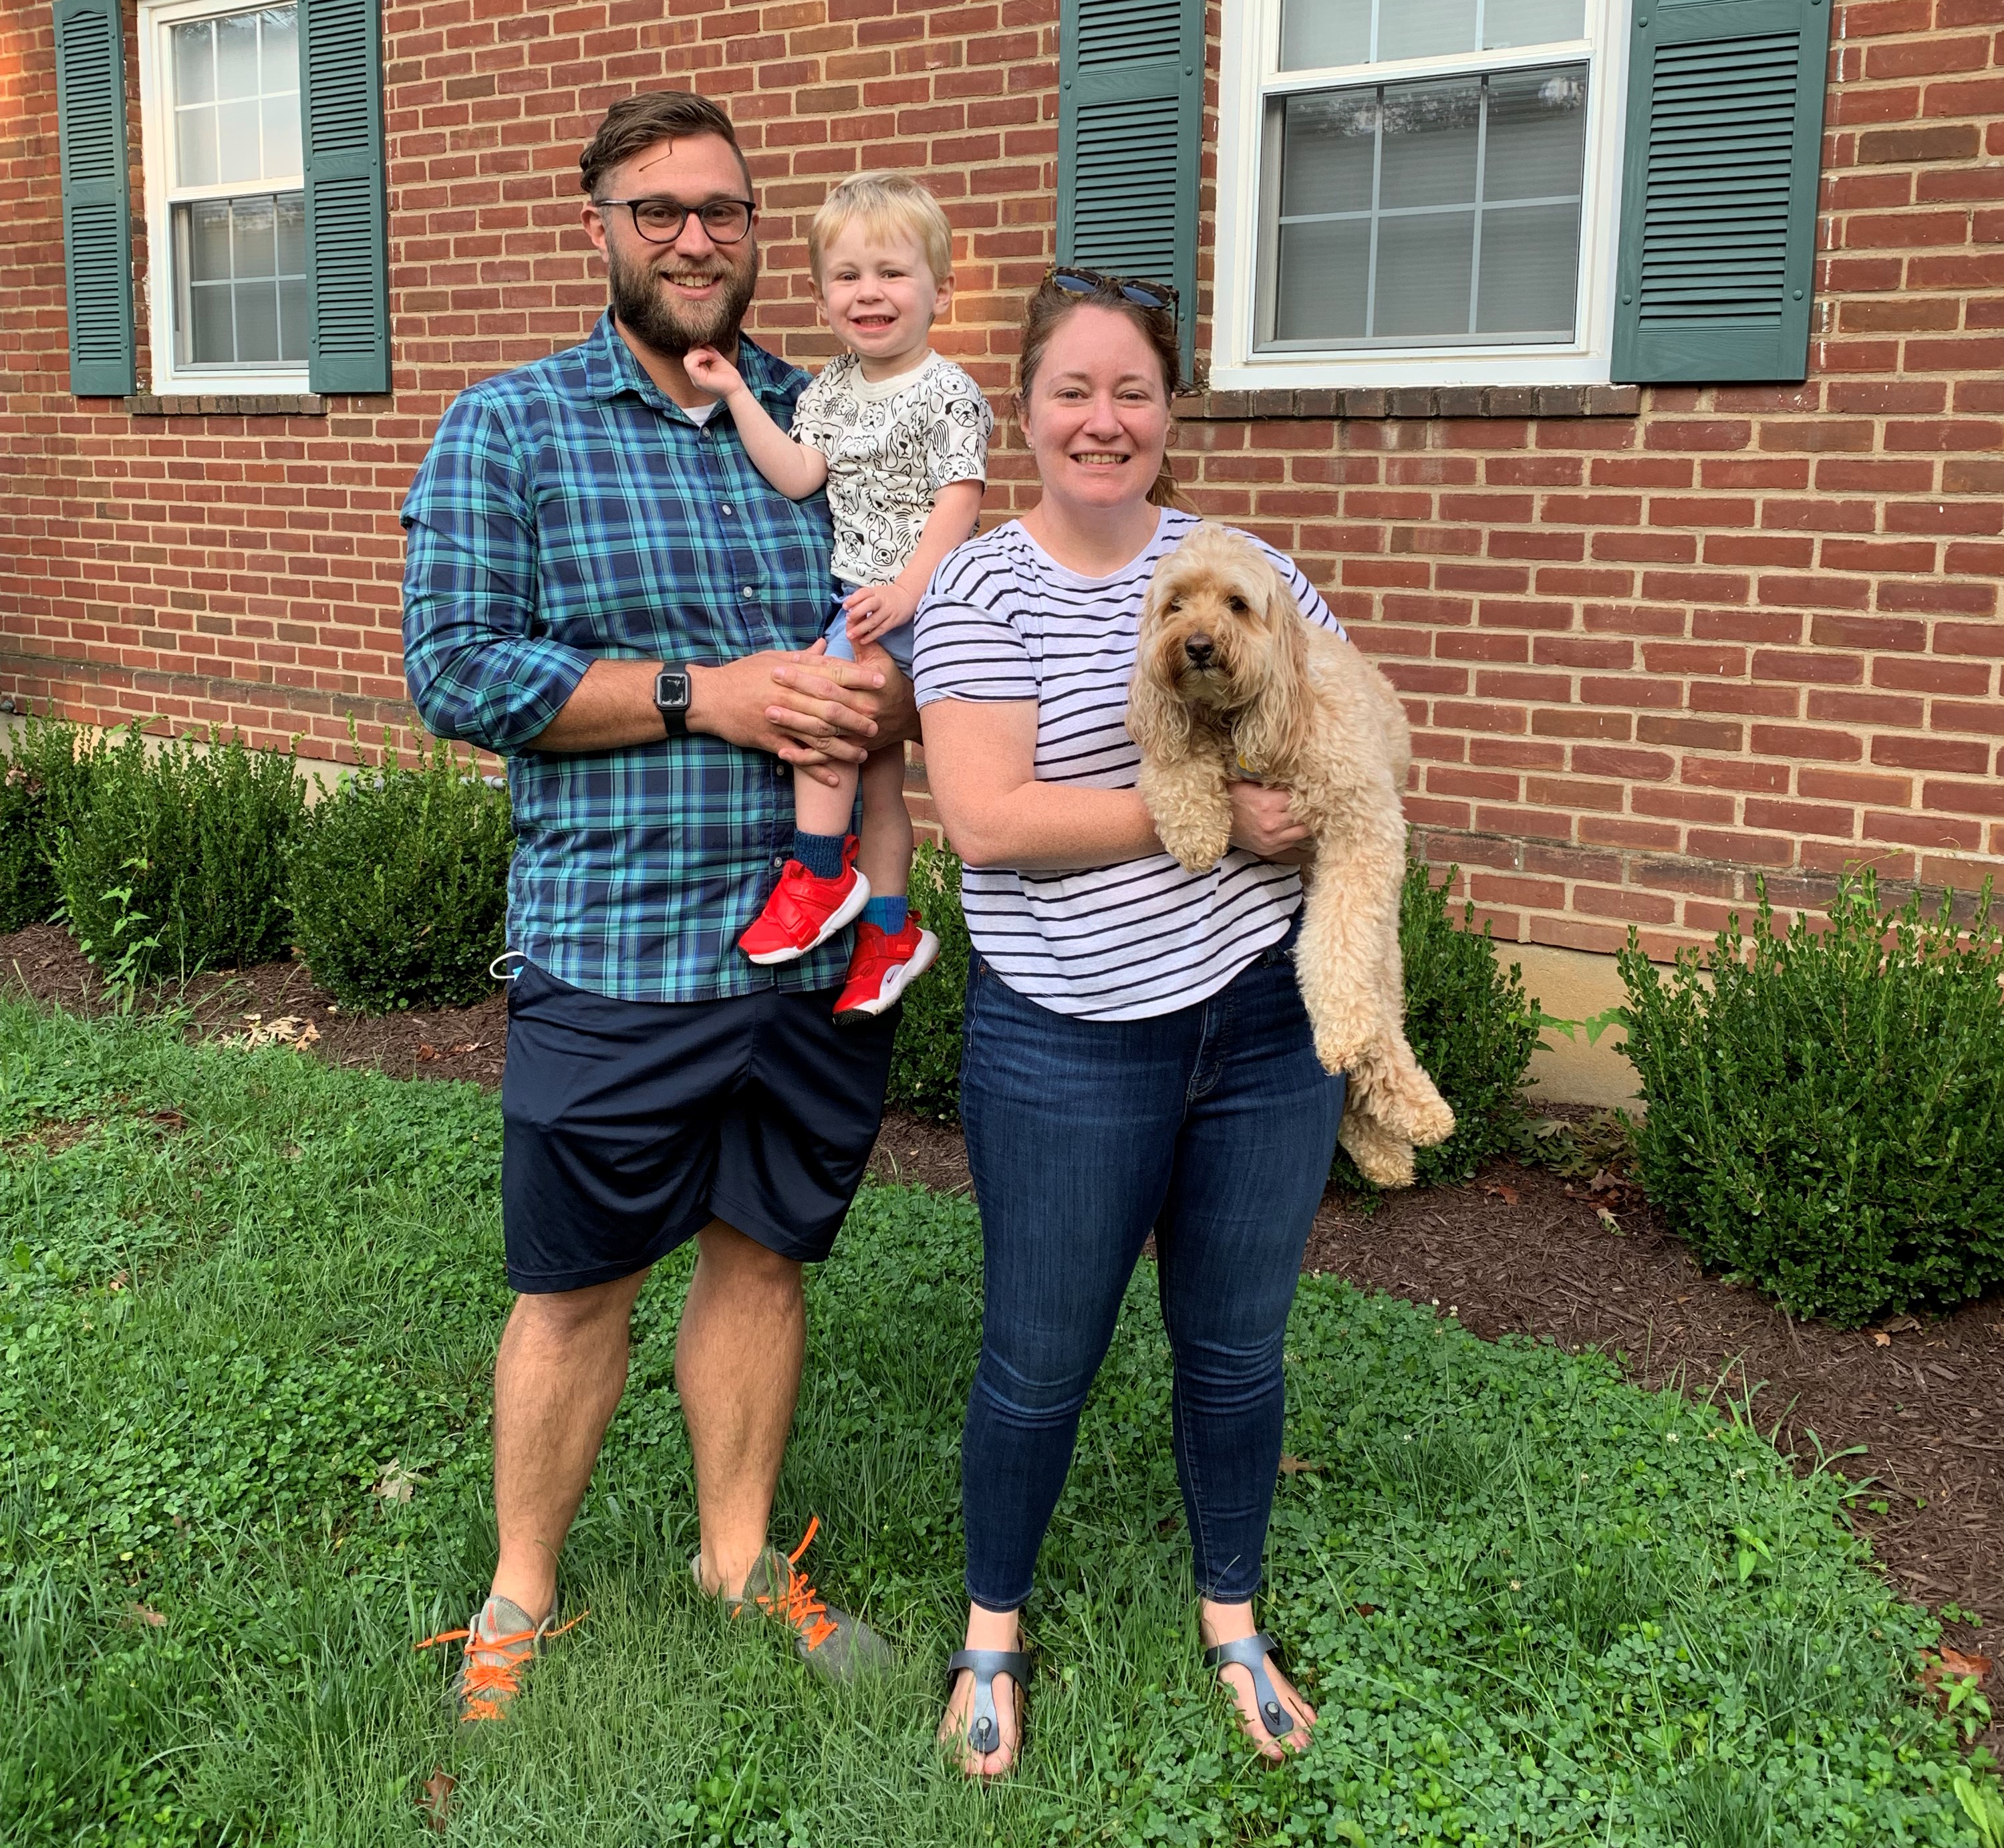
{"x": 1226, "y": 1623}
{"x": 985, "y": 1629}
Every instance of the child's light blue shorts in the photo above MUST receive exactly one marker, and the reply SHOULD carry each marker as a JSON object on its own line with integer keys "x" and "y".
{"x": 897, "y": 644}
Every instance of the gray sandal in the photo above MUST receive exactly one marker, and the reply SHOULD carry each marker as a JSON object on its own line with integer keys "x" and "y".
{"x": 1250, "y": 1653}
{"x": 984, "y": 1723}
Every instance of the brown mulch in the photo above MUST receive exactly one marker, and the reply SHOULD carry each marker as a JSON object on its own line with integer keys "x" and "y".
{"x": 1518, "y": 1250}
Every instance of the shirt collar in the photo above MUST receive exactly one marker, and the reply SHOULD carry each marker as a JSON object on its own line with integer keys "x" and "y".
{"x": 611, "y": 368}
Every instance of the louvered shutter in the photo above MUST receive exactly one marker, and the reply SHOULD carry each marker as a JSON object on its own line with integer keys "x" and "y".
{"x": 348, "y": 255}
{"x": 1131, "y": 117}
{"x": 97, "y": 205}
{"x": 1719, "y": 180}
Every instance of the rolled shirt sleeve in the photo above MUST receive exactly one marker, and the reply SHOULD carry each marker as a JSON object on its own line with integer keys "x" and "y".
{"x": 476, "y": 665}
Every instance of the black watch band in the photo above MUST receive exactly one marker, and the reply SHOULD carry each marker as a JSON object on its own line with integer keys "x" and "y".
{"x": 671, "y": 700}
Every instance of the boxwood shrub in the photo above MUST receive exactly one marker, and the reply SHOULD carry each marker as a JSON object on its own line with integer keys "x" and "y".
{"x": 925, "y": 1064}
{"x": 1825, "y": 1107}
{"x": 175, "y": 859}
{"x": 399, "y": 885}
{"x": 44, "y": 776}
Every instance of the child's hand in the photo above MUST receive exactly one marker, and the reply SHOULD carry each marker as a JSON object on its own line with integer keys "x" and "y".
{"x": 877, "y": 609}
{"x": 710, "y": 371}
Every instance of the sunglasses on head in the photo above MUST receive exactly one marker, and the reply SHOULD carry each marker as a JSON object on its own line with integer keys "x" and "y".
{"x": 1142, "y": 294}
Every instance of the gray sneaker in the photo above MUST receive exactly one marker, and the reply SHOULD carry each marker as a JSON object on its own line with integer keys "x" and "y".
{"x": 502, "y": 1639}
{"x": 836, "y": 1646}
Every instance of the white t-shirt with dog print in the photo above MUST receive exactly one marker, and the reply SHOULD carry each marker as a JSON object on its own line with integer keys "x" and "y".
{"x": 1003, "y": 620}
{"x": 891, "y": 447}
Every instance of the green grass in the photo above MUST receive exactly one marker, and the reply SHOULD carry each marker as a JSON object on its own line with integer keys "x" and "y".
{"x": 1527, "y": 1597}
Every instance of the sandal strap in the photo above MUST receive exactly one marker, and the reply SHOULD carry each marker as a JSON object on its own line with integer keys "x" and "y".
{"x": 1250, "y": 1653}
{"x": 984, "y": 1723}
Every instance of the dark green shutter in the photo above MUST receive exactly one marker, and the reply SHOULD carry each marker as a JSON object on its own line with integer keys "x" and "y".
{"x": 348, "y": 245}
{"x": 1718, "y": 198}
{"x": 97, "y": 205}
{"x": 1131, "y": 122}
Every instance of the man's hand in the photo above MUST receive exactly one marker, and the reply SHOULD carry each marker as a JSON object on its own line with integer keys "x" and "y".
{"x": 805, "y": 709}
{"x": 877, "y": 609}
{"x": 1263, "y": 823}
{"x": 710, "y": 371}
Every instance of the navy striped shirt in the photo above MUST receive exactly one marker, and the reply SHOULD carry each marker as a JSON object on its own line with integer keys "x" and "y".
{"x": 569, "y": 510}
{"x": 1003, "y": 620}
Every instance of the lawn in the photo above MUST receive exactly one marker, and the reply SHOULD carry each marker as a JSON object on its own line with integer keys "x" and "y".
{"x": 249, "y": 1309}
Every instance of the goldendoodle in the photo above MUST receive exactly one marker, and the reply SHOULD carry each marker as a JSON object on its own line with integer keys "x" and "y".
{"x": 1229, "y": 680}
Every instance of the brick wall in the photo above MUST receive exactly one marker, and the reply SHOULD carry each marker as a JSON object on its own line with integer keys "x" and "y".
{"x": 1650, "y": 641}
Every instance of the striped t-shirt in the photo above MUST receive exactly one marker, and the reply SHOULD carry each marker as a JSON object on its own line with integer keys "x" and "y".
{"x": 1003, "y": 620}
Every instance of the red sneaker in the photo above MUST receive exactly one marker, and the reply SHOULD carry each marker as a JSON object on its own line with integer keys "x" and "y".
{"x": 883, "y": 966}
{"x": 804, "y": 911}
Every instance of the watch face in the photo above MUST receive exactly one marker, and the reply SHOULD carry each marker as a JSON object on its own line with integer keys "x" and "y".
{"x": 671, "y": 689}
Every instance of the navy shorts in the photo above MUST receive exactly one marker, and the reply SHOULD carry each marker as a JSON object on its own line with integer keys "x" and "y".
{"x": 630, "y": 1125}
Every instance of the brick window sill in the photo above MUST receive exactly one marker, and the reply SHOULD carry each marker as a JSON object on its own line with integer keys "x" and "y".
{"x": 1415, "y": 400}
{"x": 300, "y": 404}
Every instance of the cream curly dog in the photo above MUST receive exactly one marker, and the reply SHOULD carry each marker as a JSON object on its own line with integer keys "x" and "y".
{"x": 1229, "y": 678}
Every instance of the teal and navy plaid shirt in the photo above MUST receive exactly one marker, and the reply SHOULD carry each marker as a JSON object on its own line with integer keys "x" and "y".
{"x": 568, "y": 511}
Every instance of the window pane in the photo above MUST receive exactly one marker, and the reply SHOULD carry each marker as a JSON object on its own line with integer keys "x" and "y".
{"x": 1506, "y": 24}
{"x": 257, "y": 323}
{"x": 195, "y": 156}
{"x": 195, "y": 63}
{"x": 280, "y": 67}
{"x": 237, "y": 56}
{"x": 251, "y": 240}
{"x": 1424, "y": 270}
{"x": 1328, "y": 149}
{"x": 1315, "y": 33}
{"x": 1424, "y": 28}
{"x": 292, "y": 321}
{"x": 1430, "y": 135}
{"x": 1537, "y": 134}
{"x": 210, "y": 340}
{"x": 236, "y": 141}
{"x": 208, "y": 240}
{"x": 1324, "y": 277}
{"x": 281, "y": 137}
{"x": 1530, "y": 255}
{"x": 291, "y": 214}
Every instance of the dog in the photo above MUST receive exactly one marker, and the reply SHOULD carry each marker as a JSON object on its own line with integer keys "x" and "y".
{"x": 1231, "y": 679}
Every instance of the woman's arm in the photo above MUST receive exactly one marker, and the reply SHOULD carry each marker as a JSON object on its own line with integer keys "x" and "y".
{"x": 980, "y": 764}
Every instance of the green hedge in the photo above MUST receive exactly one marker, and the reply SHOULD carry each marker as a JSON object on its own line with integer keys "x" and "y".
{"x": 44, "y": 777}
{"x": 175, "y": 860}
{"x": 1825, "y": 1108}
{"x": 925, "y": 1064}
{"x": 399, "y": 885}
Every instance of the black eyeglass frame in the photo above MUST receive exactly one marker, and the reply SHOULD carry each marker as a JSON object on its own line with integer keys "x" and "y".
{"x": 750, "y": 206}
{"x": 1165, "y": 294}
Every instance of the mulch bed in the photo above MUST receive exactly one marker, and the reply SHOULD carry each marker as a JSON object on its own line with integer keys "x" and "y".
{"x": 1518, "y": 1250}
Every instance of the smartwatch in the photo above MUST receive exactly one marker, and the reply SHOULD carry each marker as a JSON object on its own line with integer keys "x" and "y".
{"x": 671, "y": 700}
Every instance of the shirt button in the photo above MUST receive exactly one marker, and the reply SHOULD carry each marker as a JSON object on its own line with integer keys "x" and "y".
{"x": 778, "y": 860}
{"x": 746, "y": 590}
{"x": 725, "y": 510}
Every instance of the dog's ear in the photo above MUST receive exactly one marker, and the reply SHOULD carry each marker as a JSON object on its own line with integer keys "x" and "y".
{"x": 1158, "y": 720}
{"x": 1273, "y": 731}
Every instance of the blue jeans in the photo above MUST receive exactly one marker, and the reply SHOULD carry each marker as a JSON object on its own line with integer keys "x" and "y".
{"x": 1212, "y": 1126}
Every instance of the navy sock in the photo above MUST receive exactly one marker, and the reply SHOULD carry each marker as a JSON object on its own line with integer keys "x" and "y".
{"x": 887, "y": 914}
{"x": 820, "y": 853}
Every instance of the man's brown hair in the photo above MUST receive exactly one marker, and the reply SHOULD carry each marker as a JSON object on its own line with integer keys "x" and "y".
{"x": 634, "y": 123}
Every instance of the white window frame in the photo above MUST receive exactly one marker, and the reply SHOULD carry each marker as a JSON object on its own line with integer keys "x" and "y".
{"x": 1248, "y": 75}
{"x": 157, "y": 18}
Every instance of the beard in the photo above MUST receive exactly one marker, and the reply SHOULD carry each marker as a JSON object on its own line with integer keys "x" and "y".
{"x": 671, "y": 328}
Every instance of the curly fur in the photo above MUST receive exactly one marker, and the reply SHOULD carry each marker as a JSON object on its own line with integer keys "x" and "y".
{"x": 1228, "y": 679}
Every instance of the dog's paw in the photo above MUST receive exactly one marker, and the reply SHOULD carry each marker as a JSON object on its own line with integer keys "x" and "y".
{"x": 1197, "y": 849}
{"x": 1381, "y": 1157}
{"x": 1432, "y": 1124}
{"x": 1411, "y": 1108}
{"x": 1341, "y": 1045}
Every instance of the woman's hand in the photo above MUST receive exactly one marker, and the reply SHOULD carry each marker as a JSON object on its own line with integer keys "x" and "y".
{"x": 1263, "y": 823}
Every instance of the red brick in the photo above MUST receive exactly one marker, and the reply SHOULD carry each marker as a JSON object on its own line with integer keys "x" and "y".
{"x": 1964, "y": 798}
{"x": 1850, "y": 786}
{"x": 1798, "y": 742}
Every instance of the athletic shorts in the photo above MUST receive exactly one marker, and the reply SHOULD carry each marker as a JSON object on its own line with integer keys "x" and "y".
{"x": 630, "y": 1125}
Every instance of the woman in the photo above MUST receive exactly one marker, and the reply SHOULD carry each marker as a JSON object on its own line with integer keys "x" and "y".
{"x": 1136, "y": 1055}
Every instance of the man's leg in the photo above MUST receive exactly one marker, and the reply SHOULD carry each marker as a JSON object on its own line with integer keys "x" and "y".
{"x": 557, "y": 1381}
{"x": 737, "y": 1369}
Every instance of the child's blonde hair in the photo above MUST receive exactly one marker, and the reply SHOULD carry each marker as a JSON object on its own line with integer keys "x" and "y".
{"x": 885, "y": 205}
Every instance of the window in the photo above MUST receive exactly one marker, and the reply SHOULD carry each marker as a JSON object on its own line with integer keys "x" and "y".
{"x": 1416, "y": 191}
{"x": 225, "y": 194}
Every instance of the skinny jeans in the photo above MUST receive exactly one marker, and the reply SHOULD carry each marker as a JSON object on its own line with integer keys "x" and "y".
{"x": 1214, "y": 1127}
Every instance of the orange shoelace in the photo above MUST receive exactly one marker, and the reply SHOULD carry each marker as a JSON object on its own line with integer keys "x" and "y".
{"x": 485, "y": 1686}
{"x": 802, "y": 1606}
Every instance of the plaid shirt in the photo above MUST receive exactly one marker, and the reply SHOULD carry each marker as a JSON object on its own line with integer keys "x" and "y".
{"x": 569, "y": 511}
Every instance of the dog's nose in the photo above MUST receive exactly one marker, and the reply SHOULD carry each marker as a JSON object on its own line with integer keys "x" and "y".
{"x": 1199, "y": 649}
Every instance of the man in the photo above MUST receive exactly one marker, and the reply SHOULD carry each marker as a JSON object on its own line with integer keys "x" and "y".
{"x": 602, "y": 588}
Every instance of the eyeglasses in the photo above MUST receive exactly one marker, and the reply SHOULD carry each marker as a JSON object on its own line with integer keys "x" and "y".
{"x": 1094, "y": 282}
{"x": 660, "y": 221}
